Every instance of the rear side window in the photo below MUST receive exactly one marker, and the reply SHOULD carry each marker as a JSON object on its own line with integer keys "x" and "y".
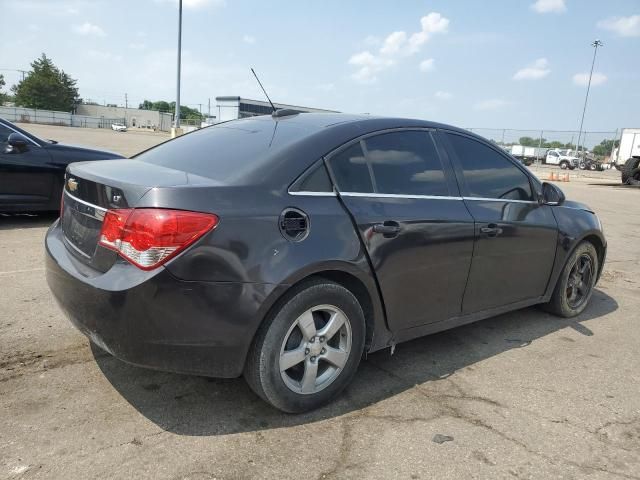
{"x": 351, "y": 171}
{"x": 487, "y": 173}
{"x": 316, "y": 180}
{"x": 406, "y": 163}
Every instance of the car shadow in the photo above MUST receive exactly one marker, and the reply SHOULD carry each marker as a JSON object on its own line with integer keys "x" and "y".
{"x": 10, "y": 221}
{"x": 189, "y": 405}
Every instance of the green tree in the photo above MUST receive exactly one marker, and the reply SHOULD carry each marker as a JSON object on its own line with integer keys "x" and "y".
{"x": 47, "y": 87}
{"x": 170, "y": 107}
{"x": 530, "y": 142}
{"x": 3, "y": 96}
{"x": 605, "y": 147}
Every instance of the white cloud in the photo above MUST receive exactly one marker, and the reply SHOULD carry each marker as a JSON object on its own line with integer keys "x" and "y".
{"x": 534, "y": 71}
{"x": 622, "y": 26}
{"x": 137, "y": 45}
{"x": 442, "y": 95}
{"x": 491, "y": 104}
{"x": 549, "y": 6}
{"x": 393, "y": 43}
{"x": 582, "y": 79}
{"x": 368, "y": 66}
{"x": 88, "y": 28}
{"x": 427, "y": 65}
{"x": 395, "y": 46}
{"x": 249, "y": 39}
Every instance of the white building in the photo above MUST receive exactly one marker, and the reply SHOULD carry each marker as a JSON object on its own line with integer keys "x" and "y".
{"x": 134, "y": 117}
{"x": 232, "y": 108}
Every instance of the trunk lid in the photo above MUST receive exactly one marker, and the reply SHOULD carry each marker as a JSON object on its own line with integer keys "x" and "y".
{"x": 92, "y": 188}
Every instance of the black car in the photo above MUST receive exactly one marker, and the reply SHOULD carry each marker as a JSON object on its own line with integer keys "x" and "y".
{"x": 32, "y": 170}
{"x": 283, "y": 248}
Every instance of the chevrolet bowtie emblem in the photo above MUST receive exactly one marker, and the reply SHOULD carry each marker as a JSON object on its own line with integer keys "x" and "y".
{"x": 72, "y": 184}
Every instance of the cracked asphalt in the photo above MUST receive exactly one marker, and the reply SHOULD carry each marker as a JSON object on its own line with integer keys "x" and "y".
{"x": 523, "y": 395}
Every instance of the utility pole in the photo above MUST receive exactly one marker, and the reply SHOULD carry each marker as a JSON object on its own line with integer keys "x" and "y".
{"x": 209, "y": 108}
{"x": 176, "y": 126}
{"x": 597, "y": 43}
{"x": 126, "y": 101}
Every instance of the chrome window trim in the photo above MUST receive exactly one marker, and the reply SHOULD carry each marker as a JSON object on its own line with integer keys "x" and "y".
{"x": 313, "y": 194}
{"x": 486, "y": 199}
{"x": 85, "y": 203}
{"x": 395, "y": 195}
{"x": 20, "y": 133}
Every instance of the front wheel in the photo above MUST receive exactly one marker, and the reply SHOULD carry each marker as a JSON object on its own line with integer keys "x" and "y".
{"x": 575, "y": 284}
{"x": 564, "y": 165}
{"x": 308, "y": 349}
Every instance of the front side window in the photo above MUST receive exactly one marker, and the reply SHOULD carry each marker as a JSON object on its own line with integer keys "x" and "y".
{"x": 406, "y": 163}
{"x": 351, "y": 171}
{"x": 487, "y": 173}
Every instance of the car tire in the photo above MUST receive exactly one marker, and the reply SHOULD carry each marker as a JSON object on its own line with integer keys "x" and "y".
{"x": 563, "y": 302}
{"x": 628, "y": 169}
{"x": 292, "y": 335}
{"x": 564, "y": 165}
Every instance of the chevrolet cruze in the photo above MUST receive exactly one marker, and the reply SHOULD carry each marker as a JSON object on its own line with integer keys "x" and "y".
{"x": 284, "y": 247}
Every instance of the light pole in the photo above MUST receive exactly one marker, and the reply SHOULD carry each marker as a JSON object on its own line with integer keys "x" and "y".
{"x": 176, "y": 124}
{"x": 595, "y": 45}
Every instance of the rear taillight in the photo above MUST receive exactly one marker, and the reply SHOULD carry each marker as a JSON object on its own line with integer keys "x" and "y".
{"x": 149, "y": 237}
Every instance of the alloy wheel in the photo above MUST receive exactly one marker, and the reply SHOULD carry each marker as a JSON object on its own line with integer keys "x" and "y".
{"x": 315, "y": 349}
{"x": 579, "y": 281}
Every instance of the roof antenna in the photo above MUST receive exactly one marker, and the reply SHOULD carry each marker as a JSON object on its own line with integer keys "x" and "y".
{"x": 265, "y": 92}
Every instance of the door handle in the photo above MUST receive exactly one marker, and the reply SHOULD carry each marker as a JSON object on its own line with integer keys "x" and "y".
{"x": 388, "y": 228}
{"x": 491, "y": 230}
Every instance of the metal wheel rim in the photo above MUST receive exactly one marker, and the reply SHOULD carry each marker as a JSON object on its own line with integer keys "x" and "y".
{"x": 315, "y": 349}
{"x": 579, "y": 281}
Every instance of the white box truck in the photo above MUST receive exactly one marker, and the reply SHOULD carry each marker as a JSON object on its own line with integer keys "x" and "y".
{"x": 627, "y": 156}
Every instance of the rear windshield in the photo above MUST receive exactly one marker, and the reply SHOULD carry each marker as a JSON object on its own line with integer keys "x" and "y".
{"x": 228, "y": 151}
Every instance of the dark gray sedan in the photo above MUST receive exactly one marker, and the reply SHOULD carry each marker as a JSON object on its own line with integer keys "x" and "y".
{"x": 284, "y": 247}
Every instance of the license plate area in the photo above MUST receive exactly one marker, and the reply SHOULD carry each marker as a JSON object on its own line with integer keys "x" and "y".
{"x": 81, "y": 225}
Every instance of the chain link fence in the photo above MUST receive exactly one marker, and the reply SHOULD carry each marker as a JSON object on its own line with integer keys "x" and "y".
{"x": 547, "y": 139}
{"x": 51, "y": 117}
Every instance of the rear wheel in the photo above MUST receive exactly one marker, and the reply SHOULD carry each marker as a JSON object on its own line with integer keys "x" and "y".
{"x": 308, "y": 349}
{"x": 575, "y": 285}
{"x": 630, "y": 168}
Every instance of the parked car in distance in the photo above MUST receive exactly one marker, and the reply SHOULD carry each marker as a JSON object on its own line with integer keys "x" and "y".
{"x": 118, "y": 127}
{"x": 32, "y": 169}
{"x": 284, "y": 247}
{"x": 562, "y": 159}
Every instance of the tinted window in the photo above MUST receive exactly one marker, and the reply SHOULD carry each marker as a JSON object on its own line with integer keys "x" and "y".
{"x": 487, "y": 173}
{"x": 406, "y": 163}
{"x": 351, "y": 171}
{"x": 4, "y": 133}
{"x": 227, "y": 152}
{"x": 317, "y": 180}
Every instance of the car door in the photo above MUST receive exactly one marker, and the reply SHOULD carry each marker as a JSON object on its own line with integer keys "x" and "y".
{"x": 26, "y": 175}
{"x": 413, "y": 223}
{"x": 515, "y": 236}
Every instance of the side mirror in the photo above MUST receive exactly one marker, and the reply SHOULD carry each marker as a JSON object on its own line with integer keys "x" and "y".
{"x": 17, "y": 143}
{"x": 552, "y": 195}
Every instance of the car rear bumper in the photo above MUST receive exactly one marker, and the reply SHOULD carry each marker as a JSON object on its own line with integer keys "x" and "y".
{"x": 155, "y": 320}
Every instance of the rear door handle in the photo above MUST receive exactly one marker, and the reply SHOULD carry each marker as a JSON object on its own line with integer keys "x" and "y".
{"x": 491, "y": 230}
{"x": 388, "y": 228}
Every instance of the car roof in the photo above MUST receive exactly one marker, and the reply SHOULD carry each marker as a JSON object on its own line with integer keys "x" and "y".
{"x": 311, "y": 136}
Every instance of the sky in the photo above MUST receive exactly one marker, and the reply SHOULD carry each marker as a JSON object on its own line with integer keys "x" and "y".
{"x": 519, "y": 64}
